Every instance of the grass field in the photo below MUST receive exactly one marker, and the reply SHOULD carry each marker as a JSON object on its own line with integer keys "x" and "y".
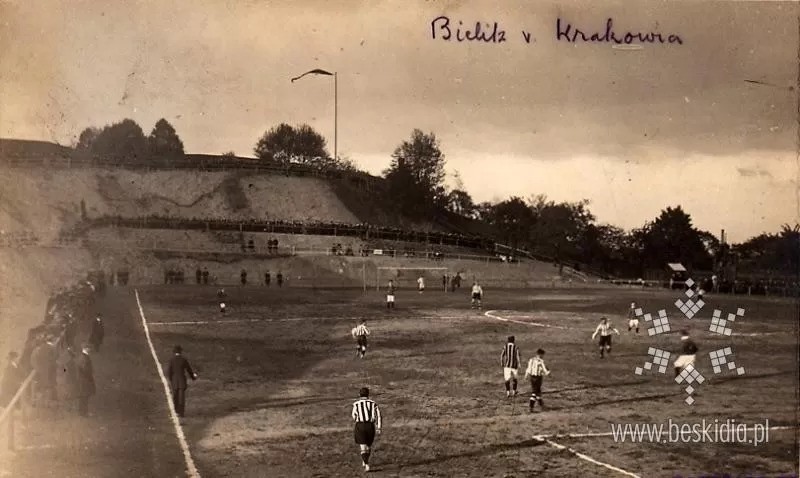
{"x": 278, "y": 374}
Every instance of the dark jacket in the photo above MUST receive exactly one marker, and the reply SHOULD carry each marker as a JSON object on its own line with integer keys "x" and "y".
{"x": 98, "y": 333}
{"x": 86, "y": 386}
{"x": 177, "y": 371}
{"x": 12, "y": 377}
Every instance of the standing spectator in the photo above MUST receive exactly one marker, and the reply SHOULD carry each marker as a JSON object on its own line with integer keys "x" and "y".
{"x": 97, "y": 334}
{"x": 205, "y": 275}
{"x": 70, "y": 332}
{"x": 267, "y": 278}
{"x": 12, "y": 377}
{"x": 86, "y": 386}
{"x": 280, "y": 279}
{"x": 243, "y": 276}
{"x": 177, "y": 371}
{"x": 444, "y": 282}
{"x": 198, "y": 275}
{"x": 72, "y": 378}
{"x": 44, "y": 360}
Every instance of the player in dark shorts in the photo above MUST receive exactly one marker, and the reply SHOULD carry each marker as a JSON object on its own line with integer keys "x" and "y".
{"x": 367, "y": 418}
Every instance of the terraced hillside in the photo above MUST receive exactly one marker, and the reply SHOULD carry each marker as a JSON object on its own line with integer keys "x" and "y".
{"x": 45, "y": 201}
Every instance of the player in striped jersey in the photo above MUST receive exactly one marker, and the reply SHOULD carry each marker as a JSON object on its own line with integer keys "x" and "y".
{"x": 604, "y": 329}
{"x": 509, "y": 359}
{"x": 367, "y": 416}
{"x": 633, "y": 319}
{"x": 390, "y": 295}
{"x": 360, "y": 333}
{"x": 536, "y": 371}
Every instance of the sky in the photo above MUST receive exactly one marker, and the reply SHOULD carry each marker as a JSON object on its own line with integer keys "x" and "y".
{"x": 710, "y": 124}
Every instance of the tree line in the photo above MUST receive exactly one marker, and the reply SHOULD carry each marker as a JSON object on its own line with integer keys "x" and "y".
{"x": 415, "y": 188}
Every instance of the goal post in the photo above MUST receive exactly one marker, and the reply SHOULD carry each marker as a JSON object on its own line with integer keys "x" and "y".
{"x": 406, "y": 277}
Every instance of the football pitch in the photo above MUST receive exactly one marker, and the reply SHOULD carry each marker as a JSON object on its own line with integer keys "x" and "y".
{"x": 278, "y": 374}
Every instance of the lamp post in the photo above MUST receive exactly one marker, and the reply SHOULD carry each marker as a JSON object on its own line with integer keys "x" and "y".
{"x": 335, "y": 105}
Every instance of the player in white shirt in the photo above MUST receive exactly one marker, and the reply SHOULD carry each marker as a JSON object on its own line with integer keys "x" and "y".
{"x": 633, "y": 319}
{"x": 604, "y": 329}
{"x": 390, "y": 295}
{"x": 477, "y": 295}
{"x": 421, "y": 284}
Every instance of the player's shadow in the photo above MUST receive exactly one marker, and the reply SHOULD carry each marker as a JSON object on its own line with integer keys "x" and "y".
{"x": 638, "y": 398}
{"x": 258, "y": 403}
{"x": 737, "y": 378}
{"x": 489, "y": 450}
{"x": 597, "y": 386}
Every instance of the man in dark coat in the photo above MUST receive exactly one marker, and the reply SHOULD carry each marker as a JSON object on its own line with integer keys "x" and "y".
{"x": 97, "y": 334}
{"x": 12, "y": 377}
{"x": 177, "y": 371}
{"x": 45, "y": 358}
{"x": 86, "y": 387}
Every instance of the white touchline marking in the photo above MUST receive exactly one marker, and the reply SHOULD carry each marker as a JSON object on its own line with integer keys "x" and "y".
{"x": 491, "y": 314}
{"x": 287, "y": 319}
{"x": 191, "y": 469}
{"x": 586, "y": 457}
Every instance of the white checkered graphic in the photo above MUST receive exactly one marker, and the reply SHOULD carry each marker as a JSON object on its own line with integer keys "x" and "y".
{"x": 689, "y": 308}
{"x": 689, "y": 375}
{"x": 658, "y": 357}
{"x": 656, "y": 326}
{"x": 720, "y": 325}
{"x": 720, "y": 357}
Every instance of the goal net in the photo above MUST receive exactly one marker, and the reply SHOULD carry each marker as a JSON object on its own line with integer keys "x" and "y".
{"x": 406, "y": 277}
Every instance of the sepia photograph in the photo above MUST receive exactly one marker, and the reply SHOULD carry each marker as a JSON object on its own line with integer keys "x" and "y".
{"x": 441, "y": 238}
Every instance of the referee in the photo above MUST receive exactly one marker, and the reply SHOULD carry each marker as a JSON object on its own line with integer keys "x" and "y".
{"x": 368, "y": 422}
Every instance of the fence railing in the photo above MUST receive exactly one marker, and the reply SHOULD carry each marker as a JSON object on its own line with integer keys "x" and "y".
{"x": 760, "y": 289}
{"x": 14, "y": 412}
{"x": 365, "y": 232}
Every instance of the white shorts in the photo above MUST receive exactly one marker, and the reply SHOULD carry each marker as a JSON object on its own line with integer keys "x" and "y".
{"x": 509, "y": 373}
{"x": 390, "y": 298}
{"x": 633, "y": 323}
{"x": 222, "y": 305}
{"x": 684, "y": 361}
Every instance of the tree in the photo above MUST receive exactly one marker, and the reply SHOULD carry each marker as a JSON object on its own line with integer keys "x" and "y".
{"x": 672, "y": 238}
{"x": 418, "y": 164}
{"x": 164, "y": 141}
{"x": 460, "y": 202}
{"x": 513, "y": 220}
{"x": 87, "y": 138}
{"x": 283, "y": 143}
{"x": 121, "y": 140}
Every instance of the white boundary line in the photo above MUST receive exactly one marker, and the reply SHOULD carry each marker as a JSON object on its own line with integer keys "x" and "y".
{"x": 586, "y": 457}
{"x": 491, "y": 314}
{"x": 290, "y": 319}
{"x": 191, "y": 469}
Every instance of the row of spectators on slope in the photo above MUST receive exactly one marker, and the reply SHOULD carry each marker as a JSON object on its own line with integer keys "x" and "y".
{"x": 55, "y": 341}
{"x": 362, "y": 230}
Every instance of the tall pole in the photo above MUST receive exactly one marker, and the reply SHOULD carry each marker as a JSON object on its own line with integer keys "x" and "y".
{"x": 335, "y": 116}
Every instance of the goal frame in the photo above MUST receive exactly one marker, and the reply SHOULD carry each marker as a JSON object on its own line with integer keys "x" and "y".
{"x": 423, "y": 268}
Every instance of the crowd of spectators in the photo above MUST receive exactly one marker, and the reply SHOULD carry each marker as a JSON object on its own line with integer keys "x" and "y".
{"x": 69, "y": 314}
{"x": 363, "y": 231}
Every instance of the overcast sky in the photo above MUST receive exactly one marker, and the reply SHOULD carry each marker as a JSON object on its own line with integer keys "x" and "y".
{"x": 633, "y": 131}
